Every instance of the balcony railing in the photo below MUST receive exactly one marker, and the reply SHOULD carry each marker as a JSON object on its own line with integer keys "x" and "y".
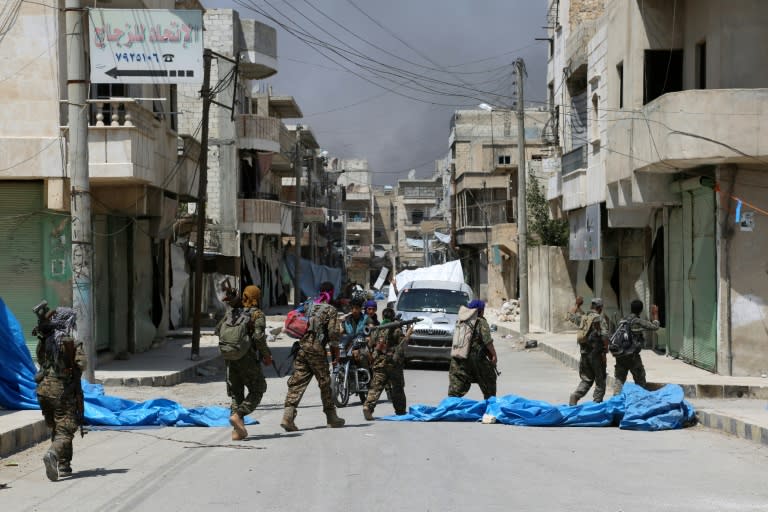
{"x": 259, "y": 216}
{"x": 127, "y": 141}
{"x": 258, "y": 132}
{"x": 574, "y": 160}
{"x": 475, "y": 216}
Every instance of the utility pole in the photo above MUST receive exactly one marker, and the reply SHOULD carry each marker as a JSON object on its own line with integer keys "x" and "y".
{"x": 202, "y": 192}
{"x": 522, "y": 209}
{"x": 80, "y": 200}
{"x": 298, "y": 229}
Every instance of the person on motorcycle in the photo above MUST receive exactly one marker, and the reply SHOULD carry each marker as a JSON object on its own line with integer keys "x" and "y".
{"x": 370, "y": 311}
{"x": 388, "y": 346}
{"x": 355, "y": 322}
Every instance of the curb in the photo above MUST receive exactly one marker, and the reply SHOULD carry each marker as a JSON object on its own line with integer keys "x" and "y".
{"x": 171, "y": 379}
{"x": 23, "y": 437}
{"x": 712, "y": 420}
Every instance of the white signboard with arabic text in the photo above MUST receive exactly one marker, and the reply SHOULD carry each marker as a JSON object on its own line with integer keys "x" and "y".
{"x": 146, "y": 46}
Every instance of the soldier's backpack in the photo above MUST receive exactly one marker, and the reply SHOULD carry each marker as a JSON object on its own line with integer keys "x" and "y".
{"x": 297, "y": 320}
{"x": 463, "y": 332}
{"x": 585, "y": 328}
{"x": 623, "y": 341}
{"x": 234, "y": 335}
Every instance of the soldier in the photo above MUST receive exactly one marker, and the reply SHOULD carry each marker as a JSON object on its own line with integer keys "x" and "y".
{"x": 62, "y": 361}
{"x": 593, "y": 345}
{"x": 633, "y": 363}
{"x": 388, "y": 346}
{"x": 311, "y": 362}
{"x": 246, "y": 372}
{"x": 480, "y": 364}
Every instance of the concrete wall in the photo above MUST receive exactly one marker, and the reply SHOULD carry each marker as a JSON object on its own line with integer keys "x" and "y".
{"x": 502, "y": 266}
{"x": 552, "y": 280}
{"x": 742, "y": 260}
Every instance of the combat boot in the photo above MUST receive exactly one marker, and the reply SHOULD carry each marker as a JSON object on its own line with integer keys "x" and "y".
{"x": 239, "y": 432}
{"x": 333, "y": 420}
{"x": 65, "y": 469}
{"x": 288, "y": 416}
{"x": 51, "y": 461}
{"x": 573, "y": 399}
{"x": 368, "y": 414}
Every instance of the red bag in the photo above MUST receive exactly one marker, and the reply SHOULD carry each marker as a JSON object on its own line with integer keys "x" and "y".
{"x": 296, "y": 324}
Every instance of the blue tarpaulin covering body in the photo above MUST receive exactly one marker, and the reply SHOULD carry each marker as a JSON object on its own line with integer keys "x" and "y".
{"x": 633, "y": 409}
{"x": 17, "y": 391}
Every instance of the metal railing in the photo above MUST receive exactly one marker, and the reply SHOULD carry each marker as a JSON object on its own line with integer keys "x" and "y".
{"x": 574, "y": 160}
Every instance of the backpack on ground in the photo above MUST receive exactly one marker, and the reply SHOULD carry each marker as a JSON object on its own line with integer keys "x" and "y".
{"x": 623, "y": 341}
{"x": 463, "y": 332}
{"x": 297, "y": 321}
{"x": 234, "y": 335}
{"x": 585, "y": 328}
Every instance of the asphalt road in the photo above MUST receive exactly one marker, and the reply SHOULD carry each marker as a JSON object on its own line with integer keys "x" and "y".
{"x": 394, "y": 466}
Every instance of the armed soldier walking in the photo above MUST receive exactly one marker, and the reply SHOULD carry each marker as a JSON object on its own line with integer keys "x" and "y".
{"x": 59, "y": 392}
{"x": 630, "y": 361}
{"x": 593, "y": 345}
{"x": 243, "y": 327}
{"x": 311, "y": 362}
{"x": 480, "y": 364}
{"x": 388, "y": 346}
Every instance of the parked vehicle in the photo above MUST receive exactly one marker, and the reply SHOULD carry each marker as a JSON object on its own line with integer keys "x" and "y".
{"x": 352, "y": 375}
{"x": 437, "y": 303}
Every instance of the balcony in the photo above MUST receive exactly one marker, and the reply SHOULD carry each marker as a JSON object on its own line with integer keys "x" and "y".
{"x": 688, "y": 129}
{"x": 574, "y": 160}
{"x": 128, "y": 144}
{"x": 261, "y": 216}
{"x": 258, "y": 59}
{"x": 259, "y": 133}
{"x": 574, "y": 189}
{"x": 359, "y": 252}
{"x": 358, "y": 223}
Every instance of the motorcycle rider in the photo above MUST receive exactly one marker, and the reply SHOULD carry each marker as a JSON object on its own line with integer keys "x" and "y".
{"x": 355, "y": 322}
{"x": 370, "y": 311}
{"x": 388, "y": 346}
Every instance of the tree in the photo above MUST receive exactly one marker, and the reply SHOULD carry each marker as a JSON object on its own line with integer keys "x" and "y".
{"x": 546, "y": 230}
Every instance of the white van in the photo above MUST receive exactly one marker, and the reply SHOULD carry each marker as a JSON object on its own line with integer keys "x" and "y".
{"x": 437, "y": 303}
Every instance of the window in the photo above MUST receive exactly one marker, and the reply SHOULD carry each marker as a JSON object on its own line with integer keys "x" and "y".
{"x": 620, "y": 73}
{"x": 701, "y": 65}
{"x": 504, "y": 160}
{"x": 663, "y": 73}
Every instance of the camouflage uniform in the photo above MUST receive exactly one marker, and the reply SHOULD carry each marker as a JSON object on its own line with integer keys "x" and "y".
{"x": 246, "y": 372}
{"x": 476, "y": 367}
{"x": 311, "y": 360}
{"x": 592, "y": 364}
{"x": 61, "y": 364}
{"x": 633, "y": 363}
{"x": 388, "y": 369}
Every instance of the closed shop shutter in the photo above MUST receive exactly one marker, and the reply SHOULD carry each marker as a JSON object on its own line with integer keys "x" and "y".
{"x": 22, "y": 281}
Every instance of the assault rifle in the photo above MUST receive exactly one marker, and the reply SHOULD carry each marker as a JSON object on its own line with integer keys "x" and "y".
{"x": 367, "y": 330}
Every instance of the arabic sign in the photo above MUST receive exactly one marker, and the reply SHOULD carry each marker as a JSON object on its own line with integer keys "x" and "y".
{"x": 585, "y": 233}
{"x": 313, "y": 214}
{"x": 146, "y": 46}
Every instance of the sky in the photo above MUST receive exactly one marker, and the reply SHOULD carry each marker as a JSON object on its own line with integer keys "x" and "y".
{"x": 351, "y": 63}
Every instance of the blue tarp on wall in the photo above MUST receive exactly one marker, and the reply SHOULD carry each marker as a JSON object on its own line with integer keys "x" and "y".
{"x": 633, "y": 409}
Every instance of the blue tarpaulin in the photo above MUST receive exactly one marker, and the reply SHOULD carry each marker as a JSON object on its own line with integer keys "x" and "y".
{"x": 633, "y": 409}
{"x": 17, "y": 370}
{"x": 17, "y": 391}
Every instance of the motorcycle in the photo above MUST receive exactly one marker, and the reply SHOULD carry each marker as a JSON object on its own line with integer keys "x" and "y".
{"x": 352, "y": 375}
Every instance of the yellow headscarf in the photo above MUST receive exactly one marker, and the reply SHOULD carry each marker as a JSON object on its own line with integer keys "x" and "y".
{"x": 251, "y": 296}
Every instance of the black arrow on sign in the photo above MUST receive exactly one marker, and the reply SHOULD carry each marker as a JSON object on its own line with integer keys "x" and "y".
{"x": 114, "y": 73}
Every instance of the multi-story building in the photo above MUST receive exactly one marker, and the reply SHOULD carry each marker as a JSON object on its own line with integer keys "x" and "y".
{"x": 484, "y": 149}
{"x": 674, "y": 167}
{"x": 141, "y": 165}
{"x": 420, "y": 212}
{"x": 357, "y": 219}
